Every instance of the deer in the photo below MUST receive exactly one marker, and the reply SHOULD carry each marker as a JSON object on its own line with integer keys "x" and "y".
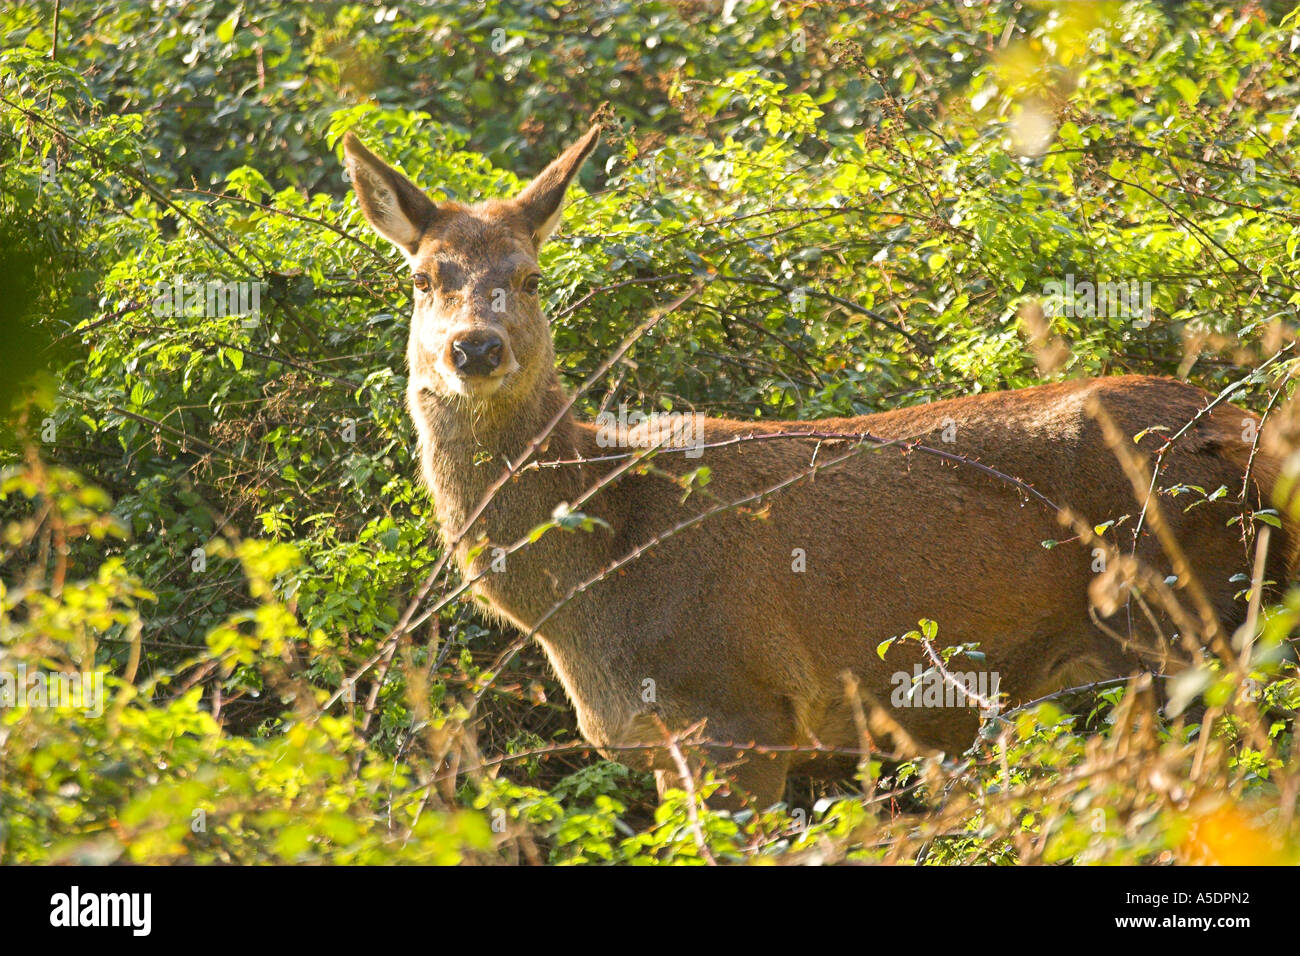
{"x": 746, "y": 607}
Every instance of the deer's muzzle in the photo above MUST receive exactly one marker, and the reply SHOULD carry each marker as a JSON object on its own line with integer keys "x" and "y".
{"x": 476, "y": 353}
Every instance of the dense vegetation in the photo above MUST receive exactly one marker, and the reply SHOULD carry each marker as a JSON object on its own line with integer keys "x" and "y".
{"x": 222, "y": 511}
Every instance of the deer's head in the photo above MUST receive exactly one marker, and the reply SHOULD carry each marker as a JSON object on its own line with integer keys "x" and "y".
{"x": 477, "y": 332}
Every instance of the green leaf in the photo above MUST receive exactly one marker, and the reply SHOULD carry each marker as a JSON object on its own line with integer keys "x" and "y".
{"x": 226, "y": 29}
{"x": 1269, "y": 517}
{"x": 1187, "y": 89}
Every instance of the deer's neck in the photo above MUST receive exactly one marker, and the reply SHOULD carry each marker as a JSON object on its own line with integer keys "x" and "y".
{"x": 464, "y": 451}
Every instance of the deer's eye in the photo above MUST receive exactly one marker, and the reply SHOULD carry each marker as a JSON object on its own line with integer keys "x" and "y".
{"x": 531, "y": 283}
{"x": 422, "y": 282}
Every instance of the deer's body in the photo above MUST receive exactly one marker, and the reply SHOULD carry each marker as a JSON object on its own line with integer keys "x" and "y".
{"x": 749, "y": 618}
{"x": 717, "y": 617}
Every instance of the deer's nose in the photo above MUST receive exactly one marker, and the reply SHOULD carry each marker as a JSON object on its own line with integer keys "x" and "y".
{"x": 477, "y": 353}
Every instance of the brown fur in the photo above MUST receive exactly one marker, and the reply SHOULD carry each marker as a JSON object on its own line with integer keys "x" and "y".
{"x": 715, "y": 615}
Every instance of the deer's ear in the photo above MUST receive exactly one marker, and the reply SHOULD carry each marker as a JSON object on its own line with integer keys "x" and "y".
{"x": 393, "y": 205}
{"x": 543, "y": 198}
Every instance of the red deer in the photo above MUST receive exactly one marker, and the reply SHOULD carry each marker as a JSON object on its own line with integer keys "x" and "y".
{"x": 749, "y": 619}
